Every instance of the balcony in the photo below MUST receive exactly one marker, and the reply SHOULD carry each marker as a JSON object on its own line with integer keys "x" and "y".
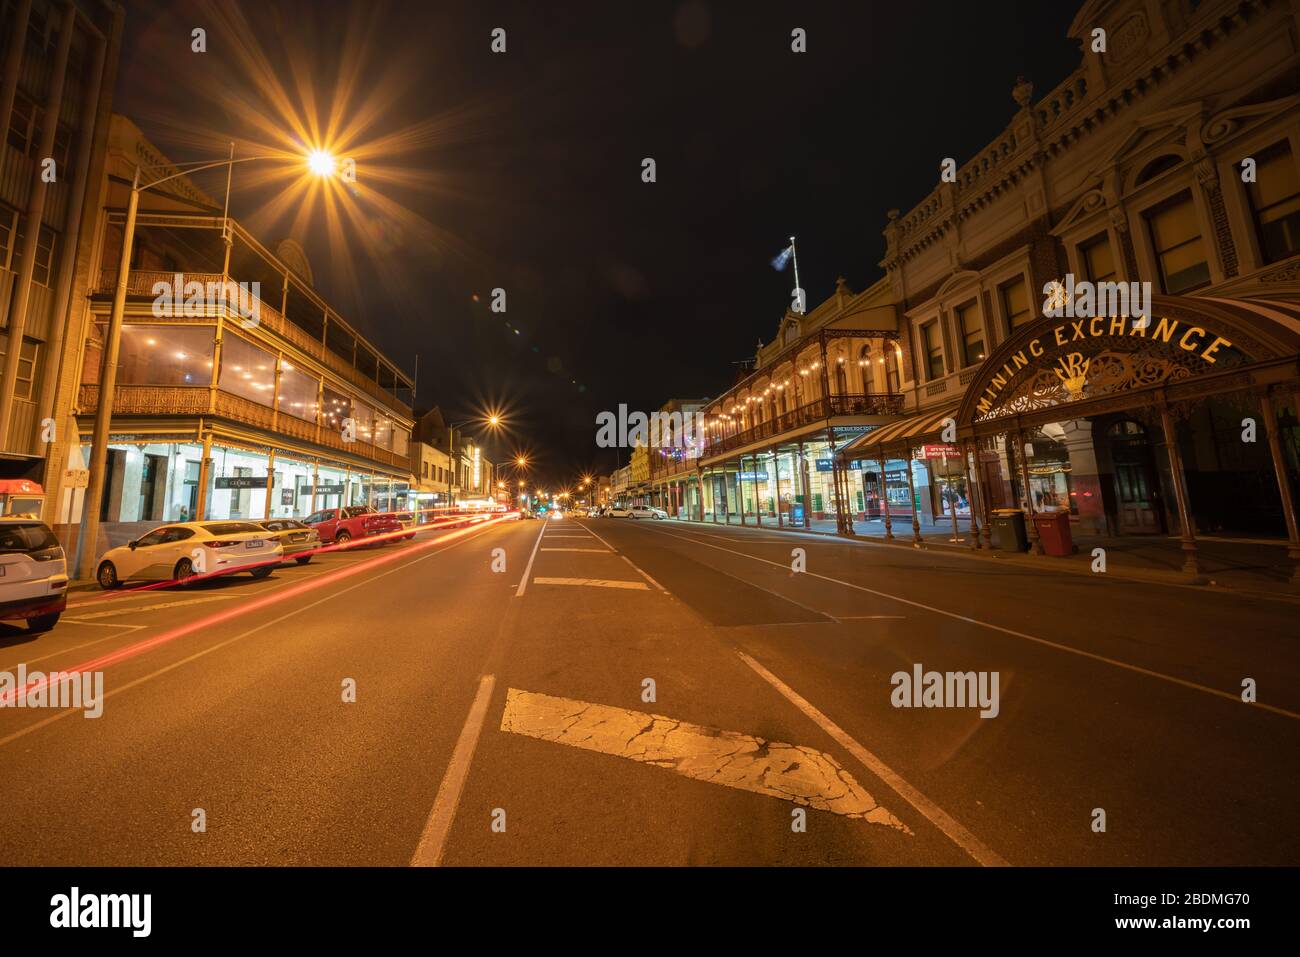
{"x": 818, "y": 410}
{"x": 155, "y": 400}
{"x": 140, "y": 285}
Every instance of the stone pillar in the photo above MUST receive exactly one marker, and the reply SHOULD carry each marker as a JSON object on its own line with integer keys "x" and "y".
{"x": 1035, "y": 546}
{"x": 1085, "y": 480}
{"x": 967, "y": 449}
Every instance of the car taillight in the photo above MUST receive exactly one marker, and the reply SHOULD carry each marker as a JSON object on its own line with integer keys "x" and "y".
{"x": 220, "y": 544}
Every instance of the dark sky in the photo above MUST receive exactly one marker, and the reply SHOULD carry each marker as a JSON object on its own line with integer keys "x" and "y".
{"x": 524, "y": 171}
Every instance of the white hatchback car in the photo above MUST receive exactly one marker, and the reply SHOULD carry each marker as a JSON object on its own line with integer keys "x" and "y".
{"x": 646, "y": 511}
{"x": 33, "y": 574}
{"x": 181, "y": 551}
{"x": 618, "y": 511}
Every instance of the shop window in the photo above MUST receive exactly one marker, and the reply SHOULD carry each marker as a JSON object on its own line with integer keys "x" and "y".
{"x": 1098, "y": 263}
{"x": 165, "y": 355}
{"x": 932, "y": 350}
{"x": 297, "y": 393}
{"x": 26, "y": 365}
{"x": 363, "y": 420}
{"x": 1176, "y": 239}
{"x": 971, "y": 329}
{"x": 1275, "y": 202}
{"x": 1015, "y": 302}
{"x": 335, "y": 407}
{"x": 246, "y": 370}
{"x": 383, "y": 431}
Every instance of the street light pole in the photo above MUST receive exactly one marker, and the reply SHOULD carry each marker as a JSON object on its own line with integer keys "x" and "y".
{"x": 92, "y": 504}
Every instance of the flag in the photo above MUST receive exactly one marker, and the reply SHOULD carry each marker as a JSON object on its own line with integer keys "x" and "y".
{"x": 782, "y": 258}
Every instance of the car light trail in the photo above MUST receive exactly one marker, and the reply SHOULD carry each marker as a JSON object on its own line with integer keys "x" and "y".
{"x": 266, "y": 601}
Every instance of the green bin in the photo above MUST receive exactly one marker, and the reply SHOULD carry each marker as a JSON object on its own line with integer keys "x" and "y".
{"x": 1009, "y": 530}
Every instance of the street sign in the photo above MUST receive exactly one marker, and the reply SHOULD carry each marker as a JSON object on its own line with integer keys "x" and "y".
{"x": 826, "y": 465}
{"x": 286, "y": 496}
{"x": 241, "y": 481}
{"x": 938, "y": 452}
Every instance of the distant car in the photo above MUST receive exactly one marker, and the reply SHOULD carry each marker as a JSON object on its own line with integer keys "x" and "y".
{"x": 33, "y": 574}
{"x": 294, "y": 538}
{"x": 619, "y": 511}
{"x": 179, "y": 552}
{"x": 341, "y": 525}
{"x": 646, "y": 511}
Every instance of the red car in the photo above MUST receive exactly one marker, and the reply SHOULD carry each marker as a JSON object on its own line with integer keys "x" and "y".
{"x": 339, "y": 525}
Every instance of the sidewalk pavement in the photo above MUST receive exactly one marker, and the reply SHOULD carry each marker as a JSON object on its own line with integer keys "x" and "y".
{"x": 1245, "y": 566}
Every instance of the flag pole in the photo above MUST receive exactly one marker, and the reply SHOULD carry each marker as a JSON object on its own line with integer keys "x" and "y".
{"x": 795, "y": 256}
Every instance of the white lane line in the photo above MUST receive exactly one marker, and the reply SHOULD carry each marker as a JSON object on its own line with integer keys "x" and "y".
{"x": 57, "y": 716}
{"x": 1236, "y": 699}
{"x": 594, "y": 582}
{"x": 790, "y": 772}
{"x": 598, "y": 551}
{"x": 963, "y": 838}
{"x": 121, "y": 630}
{"x": 639, "y": 570}
{"x": 872, "y": 618}
{"x": 523, "y": 582}
{"x": 433, "y": 841}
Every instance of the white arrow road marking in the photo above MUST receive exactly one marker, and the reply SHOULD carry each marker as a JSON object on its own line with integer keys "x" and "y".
{"x": 597, "y": 582}
{"x": 785, "y": 771}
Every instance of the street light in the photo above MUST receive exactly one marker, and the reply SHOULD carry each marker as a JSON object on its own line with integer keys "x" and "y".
{"x": 88, "y": 538}
{"x": 492, "y": 421}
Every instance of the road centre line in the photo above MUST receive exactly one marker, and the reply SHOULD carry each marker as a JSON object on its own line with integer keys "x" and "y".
{"x": 639, "y": 570}
{"x": 597, "y": 551}
{"x": 210, "y": 649}
{"x": 1236, "y": 699}
{"x": 954, "y": 831}
{"x": 523, "y": 582}
{"x": 433, "y": 839}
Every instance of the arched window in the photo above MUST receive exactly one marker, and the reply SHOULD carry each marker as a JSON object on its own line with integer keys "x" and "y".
{"x": 892, "y": 382}
{"x": 1159, "y": 165}
{"x": 841, "y": 378}
{"x": 864, "y": 368}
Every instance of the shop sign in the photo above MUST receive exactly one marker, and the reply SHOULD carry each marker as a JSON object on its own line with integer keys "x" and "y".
{"x": 938, "y": 452}
{"x": 286, "y": 496}
{"x": 321, "y": 489}
{"x": 76, "y": 478}
{"x": 241, "y": 481}
{"x": 753, "y": 476}
{"x": 827, "y": 465}
{"x": 1072, "y": 369}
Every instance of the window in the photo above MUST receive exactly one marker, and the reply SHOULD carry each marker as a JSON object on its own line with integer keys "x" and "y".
{"x": 892, "y": 383}
{"x": 26, "y": 365}
{"x": 246, "y": 370}
{"x": 22, "y": 124}
{"x": 165, "y": 355}
{"x": 1275, "y": 202}
{"x": 971, "y": 329}
{"x": 44, "y": 258}
{"x": 1015, "y": 302}
{"x": 8, "y": 230}
{"x": 1098, "y": 263}
{"x": 932, "y": 350}
{"x": 1177, "y": 243}
{"x": 335, "y": 408}
{"x": 297, "y": 393}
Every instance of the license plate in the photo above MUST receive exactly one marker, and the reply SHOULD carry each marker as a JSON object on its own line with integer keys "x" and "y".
{"x": 255, "y": 544}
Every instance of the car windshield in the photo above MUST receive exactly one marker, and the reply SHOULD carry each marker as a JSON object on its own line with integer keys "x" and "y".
{"x": 230, "y": 528}
{"x": 25, "y": 537}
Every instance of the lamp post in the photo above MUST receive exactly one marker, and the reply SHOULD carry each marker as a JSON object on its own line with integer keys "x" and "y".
{"x": 492, "y": 421}
{"x": 93, "y": 502}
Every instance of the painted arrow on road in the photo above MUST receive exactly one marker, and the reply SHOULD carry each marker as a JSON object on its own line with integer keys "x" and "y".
{"x": 787, "y": 771}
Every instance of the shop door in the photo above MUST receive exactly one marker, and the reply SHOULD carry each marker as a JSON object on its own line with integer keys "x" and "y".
{"x": 1136, "y": 496}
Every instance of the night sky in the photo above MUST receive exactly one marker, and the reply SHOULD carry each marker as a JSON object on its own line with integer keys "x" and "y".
{"x": 522, "y": 170}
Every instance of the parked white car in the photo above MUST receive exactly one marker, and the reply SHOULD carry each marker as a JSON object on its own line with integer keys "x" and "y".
{"x": 181, "y": 551}
{"x": 646, "y": 511}
{"x": 33, "y": 574}
{"x": 618, "y": 511}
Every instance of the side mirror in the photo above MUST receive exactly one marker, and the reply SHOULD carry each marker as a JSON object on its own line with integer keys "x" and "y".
{"x": 131, "y": 544}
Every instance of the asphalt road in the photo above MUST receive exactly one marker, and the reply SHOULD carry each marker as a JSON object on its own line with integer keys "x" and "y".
{"x": 508, "y": 677}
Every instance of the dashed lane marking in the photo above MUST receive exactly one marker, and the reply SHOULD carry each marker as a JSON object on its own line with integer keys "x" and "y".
{"x": 598, "y": 551}
{"x": 790, "y": 772}
{"x": 595, "y": 582}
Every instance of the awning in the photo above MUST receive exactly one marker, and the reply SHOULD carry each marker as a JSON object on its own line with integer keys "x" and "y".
{"x": 905, "y": 433}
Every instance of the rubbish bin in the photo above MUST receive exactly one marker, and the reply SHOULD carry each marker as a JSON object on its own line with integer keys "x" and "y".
{"x": 1009, "y": 530}
{"x": 1054, "y": 533}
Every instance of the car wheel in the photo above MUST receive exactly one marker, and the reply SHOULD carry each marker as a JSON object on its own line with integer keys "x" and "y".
{"x": 107, "y": 576}
{"x": 183, "y": 571}
{"x": 43, "y": 622}
{"x": 303, "y": 559}
{"x": 342, "y": 538}
{"x": 261, "y": 571}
